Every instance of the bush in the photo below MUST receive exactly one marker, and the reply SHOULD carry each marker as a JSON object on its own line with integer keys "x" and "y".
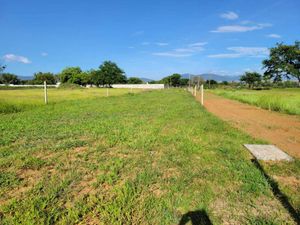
{"x": 69, "y": 86}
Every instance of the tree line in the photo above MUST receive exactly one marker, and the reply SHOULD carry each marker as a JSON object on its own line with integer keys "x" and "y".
{"x": 107, "y": 74}
{"x": 283, "y": 64}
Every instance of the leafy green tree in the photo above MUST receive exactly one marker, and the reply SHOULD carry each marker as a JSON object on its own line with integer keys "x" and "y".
{"x": 251, "y": 78}
{"x": 9, "y": 78}
{"x": 283, "y": 62}
{"x": 87, "y": 78}
{"x": 112, "y": 73}
{"x": 224, "y": 82}
{"x": 183, "y": 81}
{"x": 172, "y": 80}
{"x": 211, "y": 82}
{"x": 134, "y": 80}
{"x": 40, "y": 77}
{"x": 70, "y": 74}
{"x": 97, "y": 78}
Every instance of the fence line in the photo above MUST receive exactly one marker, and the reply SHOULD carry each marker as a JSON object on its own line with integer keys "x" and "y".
{"x": 193, "y": 91}
{"x": 29, "y": 85}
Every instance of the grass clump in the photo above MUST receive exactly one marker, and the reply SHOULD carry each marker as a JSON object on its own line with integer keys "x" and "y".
{"x": 69, "y": 86}
{"x": 8, "y": 179}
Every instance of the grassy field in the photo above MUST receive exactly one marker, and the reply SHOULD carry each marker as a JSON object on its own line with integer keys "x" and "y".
{"x": 24, "y": 99}
{"x": 281, "y": 100}
{"x": 149, "y": 158}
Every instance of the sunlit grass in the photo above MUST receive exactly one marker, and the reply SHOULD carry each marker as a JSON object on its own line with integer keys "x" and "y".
{"x": 280, "y": 100}
{"x": 147, "y": 158}
{"x": 23, "y": 99}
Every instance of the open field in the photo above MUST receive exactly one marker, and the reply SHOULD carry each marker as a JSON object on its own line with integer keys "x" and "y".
{"x": 281, "y": 100}
{"x": 149, "y": 158}
{"x": 23, "y": 99}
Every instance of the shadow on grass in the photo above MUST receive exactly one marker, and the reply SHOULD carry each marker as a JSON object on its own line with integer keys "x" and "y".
{"x": 278, "y": 194}
{"x": 198, "y": 217}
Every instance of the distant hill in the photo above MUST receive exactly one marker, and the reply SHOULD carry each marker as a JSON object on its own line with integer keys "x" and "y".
{"x": 25, "y": 77}
{"x": 211, "y": 76}
{"x": 145, "y": 79}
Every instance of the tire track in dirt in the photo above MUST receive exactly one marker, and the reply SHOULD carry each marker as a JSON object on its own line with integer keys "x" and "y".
{"x": 279, "y": 129}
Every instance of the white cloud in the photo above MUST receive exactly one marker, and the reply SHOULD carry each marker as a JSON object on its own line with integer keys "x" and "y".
{"x": 162, "y": 43}
{"x": 225, "y": 55}
{"x": 187, "y": 51}
{"x": 197, "y": 44}
{"x": 237, "y": 52}
{"x": 145, "y": 43}
{"x": 229, "y": 16}
{"x": 172, "y": 54}
{"x": 16, "y": 58}
{"x": 240, "y": 28}
{"x": 138, "y": 33}
{"x": 274, "y": 36}
{"x": 44, "y": 54}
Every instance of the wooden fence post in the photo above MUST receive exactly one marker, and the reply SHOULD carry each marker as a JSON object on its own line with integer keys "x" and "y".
{"x": 45, "y": 92}
{"x": 202, "y": 97}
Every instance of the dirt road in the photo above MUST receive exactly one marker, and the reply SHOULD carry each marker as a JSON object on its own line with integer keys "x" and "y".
{"x": 279, "y": 129}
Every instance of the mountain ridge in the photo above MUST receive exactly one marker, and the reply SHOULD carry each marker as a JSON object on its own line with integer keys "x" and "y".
{"x": 212, "y": 76}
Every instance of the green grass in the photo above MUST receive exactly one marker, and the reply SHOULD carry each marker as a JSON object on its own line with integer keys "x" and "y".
{"x": 18, "y": 100}
{"x": 280, "y": 100}
{"x": 146, "y": 158}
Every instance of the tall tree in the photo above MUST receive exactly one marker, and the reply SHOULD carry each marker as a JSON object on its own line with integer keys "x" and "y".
{"x": 172, "y": 80}
{"x": 184, "y": 81}
{"x": 283, "y": 62}
{"x": 251, "y": 78}
{"x": 40, "y": 77}
{"x": 69, "y": 74}
{"x": 8, "y": 78}
{"x": 97, "y": 78}
{"x": 112, "y": 73}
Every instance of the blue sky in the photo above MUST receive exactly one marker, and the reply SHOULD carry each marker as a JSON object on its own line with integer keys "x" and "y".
{"x": 145, "y": 38}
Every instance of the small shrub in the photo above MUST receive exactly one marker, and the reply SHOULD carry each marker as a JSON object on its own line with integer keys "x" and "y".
{"x": 69, "y": 86}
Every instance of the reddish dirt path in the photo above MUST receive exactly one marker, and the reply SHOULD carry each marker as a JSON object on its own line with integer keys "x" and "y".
{"x": 279, "y": 129}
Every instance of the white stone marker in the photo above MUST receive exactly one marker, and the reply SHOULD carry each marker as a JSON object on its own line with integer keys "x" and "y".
{"x": 268, "y": 152}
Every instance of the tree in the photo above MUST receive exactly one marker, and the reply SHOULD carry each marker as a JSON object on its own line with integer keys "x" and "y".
{"x": 86, "y": 77}
{"x": 251, "y": 78}
{"x": 111, "y": 73}
{"x": 40, "y": 77}
{"x": 283, "y": 62}
{"x": 224, "y": 82}
{"x": 70, "y": 74}
{"x": 97, "y": 78}
{"x": 172, "y": 80}
{"x": 8, "y": 78}
{"x": 211, "y": 83}
{"x": 134, "y": 80}
{"x": 183, "y": 81}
